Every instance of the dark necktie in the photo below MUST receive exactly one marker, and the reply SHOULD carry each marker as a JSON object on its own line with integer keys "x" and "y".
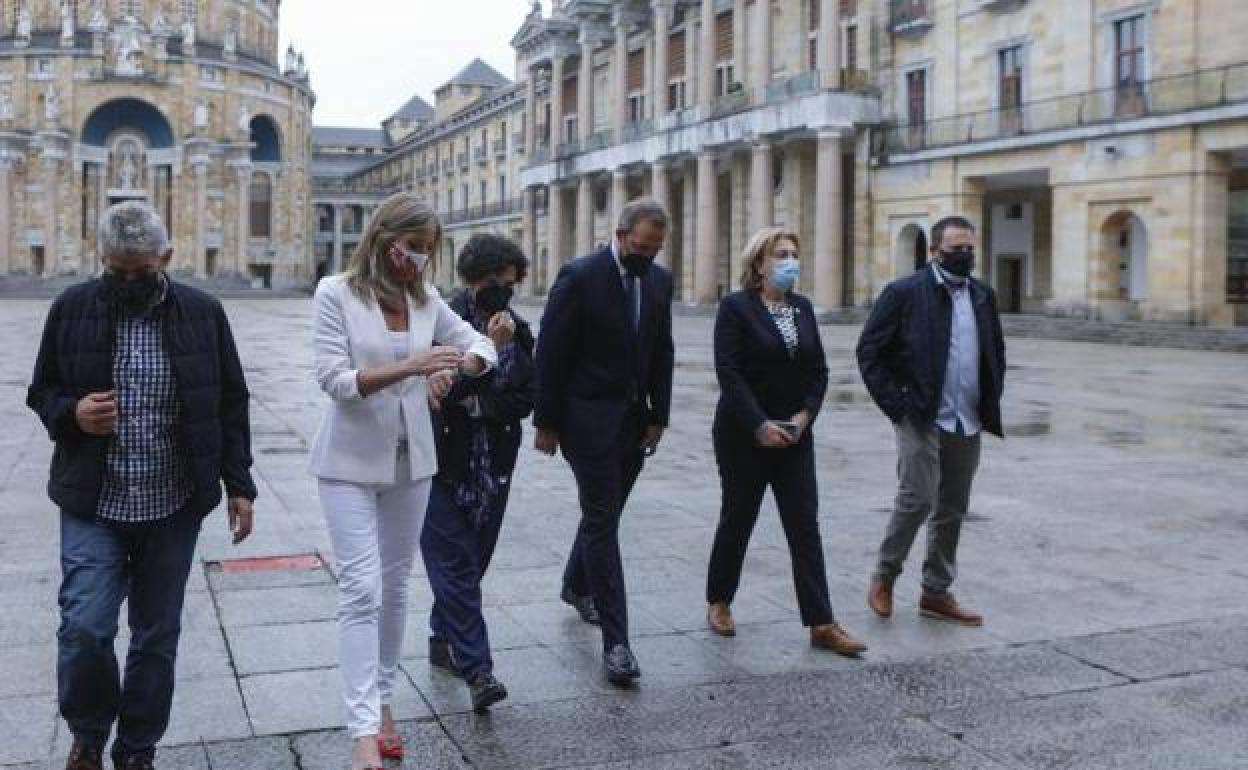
{"x": 630, "y": 293}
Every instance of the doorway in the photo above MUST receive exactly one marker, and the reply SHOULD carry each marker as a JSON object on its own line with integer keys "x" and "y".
{"x": 1010, "y": 283}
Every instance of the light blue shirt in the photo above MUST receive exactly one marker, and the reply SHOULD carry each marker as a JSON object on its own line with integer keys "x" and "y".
{"x": 959, "y": 397}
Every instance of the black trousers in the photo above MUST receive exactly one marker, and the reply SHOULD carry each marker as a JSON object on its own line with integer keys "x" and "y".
{"x": 745, "y": 472}
{"x": 604, "y": 481}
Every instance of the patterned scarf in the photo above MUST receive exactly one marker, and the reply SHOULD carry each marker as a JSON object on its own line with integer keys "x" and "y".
{"x": 479, "y": 489}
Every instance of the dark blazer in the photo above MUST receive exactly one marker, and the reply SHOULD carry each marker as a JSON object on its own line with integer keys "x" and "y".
{"x": 502, "y": 408}
{"x": 904, "y": 349}
{"x": 76, "y": 358}
{"x": 591, "y": 366}
{"x": 758, "y": 380}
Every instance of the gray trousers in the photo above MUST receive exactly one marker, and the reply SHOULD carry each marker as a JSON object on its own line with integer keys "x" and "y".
{"x": 934, "y": 468}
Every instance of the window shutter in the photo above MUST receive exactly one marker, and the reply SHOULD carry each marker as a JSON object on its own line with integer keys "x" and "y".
{"x": 723, "y": 37}
{"x": 814, "y": 14}
{"x": 676, "y": 55}
{"x": 636, "y": 70}
{"x": 569, "y": 96}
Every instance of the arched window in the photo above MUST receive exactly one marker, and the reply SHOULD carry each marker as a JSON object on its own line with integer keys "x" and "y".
{"x": 261, "y": 202}
{"x": 911, "y": 249}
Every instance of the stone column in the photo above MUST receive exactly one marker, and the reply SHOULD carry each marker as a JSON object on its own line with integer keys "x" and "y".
{"x": 705, "y": 274}
{"x": 619, "y": 99}
{"x": 761, "y": 67}
{"x": 585, "y": 88}
{"x": 660, "y": 190}
{"x": 52, "y": 209}
{"x": 661, "y": 40}
{"x": 829, "y": 46}
{"x": 829, "y": 255}
{"x": 584, "y": 214}
{"x": 619, "y": 194}
{"x": 741, "y": 43}
{"x": 242, "y": 172}
{"x": 554, "y": 235}
{"x": 530, "y": 117}
{"x": 6, "y": 215}
{"x": 337, "y": 259}
{"x": 556, "y": 101}
{"x": 688, "y": 241}
{"x": 706, "y": 61}
{"x": 529, "y": 227}
{"x": 761, "y": 211}
{"x": 199, "y": 168}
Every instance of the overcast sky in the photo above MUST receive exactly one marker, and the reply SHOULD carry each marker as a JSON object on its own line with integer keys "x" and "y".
{"x": 369, "y": 58}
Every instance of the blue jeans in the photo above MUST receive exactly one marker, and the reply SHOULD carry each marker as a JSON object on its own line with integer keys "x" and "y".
{"x": 102, "y": 565}
{"x": 456, "y": 557}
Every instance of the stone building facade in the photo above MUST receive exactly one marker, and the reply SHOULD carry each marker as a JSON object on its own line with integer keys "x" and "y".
{"x": 185, "y": 105}
{"x": 1100, "y": 146}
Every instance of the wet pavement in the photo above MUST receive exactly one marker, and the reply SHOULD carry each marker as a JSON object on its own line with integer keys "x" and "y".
{"x": 1105, "y": 546}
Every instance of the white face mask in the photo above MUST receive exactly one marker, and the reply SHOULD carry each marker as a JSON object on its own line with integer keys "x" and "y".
{"x": 418, "y": 259}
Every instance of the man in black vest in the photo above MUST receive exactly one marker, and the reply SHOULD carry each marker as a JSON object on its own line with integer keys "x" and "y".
{"x": 933, "y": 357}
{"x": 604, "y": 368}
{"x": 139, "y": 385}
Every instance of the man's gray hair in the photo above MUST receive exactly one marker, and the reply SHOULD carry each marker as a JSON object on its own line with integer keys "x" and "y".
{"x": 132, "y": 228}
{"x": 641, "y": 210}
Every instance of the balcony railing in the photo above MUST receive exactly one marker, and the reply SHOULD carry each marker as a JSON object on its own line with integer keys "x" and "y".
{"x": 448, "y": 166}
{"x": 518, "y": 140}
{"x": 463, "y": 161}
{"x": 431, "y": 170}
{"x": 801, "y": 84}
{"x": 568, "y": 148}
{"x": 910, "y": 17}
{"x": 599, "y": 140}
{"x": 731, "y": 102}
{"x": 480, "y": 155}
{"x": 541, "y": 153}
{"x": 1202, "y": 89}
{"x": 500, "y": 148}
{"x": 488, "y": 211}
{"x": 638, "y": 129}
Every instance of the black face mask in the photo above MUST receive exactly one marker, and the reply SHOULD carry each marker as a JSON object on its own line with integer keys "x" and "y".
{"x": 636, "y": 264}
{"x": 492, "y": 299}
{"x": 133, "y": 297}
{"x": 959, "y": 262}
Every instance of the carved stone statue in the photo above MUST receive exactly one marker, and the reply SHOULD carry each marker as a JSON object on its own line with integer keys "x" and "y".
{"x": 52, "y": 107}
{"x": 129, "y": 50}
{"x": 290, "y": 59}
{"x": 24, "y": 23}
{"x": 160, "y": 23}
{"x": 188, "y": 35}
{"x": 67, "y": 22}
{"x": 230, "y": 44}
{"x": 244, "y": 119}
{"x": 99, "y": 17}
{"x": 6, "y": 102}
{"x": 201, "y": 115}
{"x": 127, "y": 167}
{"x": 301, "y": 69}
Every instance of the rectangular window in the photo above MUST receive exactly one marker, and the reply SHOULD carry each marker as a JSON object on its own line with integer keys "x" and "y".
{"x": 724, "y": 78}
{"x": 502, "y": 188}
{"x": 636, "y": 107}
{"x": 677, "y": 94}
{"x": 916, "y": 106}
{"x": 677, "y": 55}
{"x": 851, "y": 47}
{"x": 1010, "y": 88}
{"x": 483, "y": 196}
{"x": 1129, "y": 52}
{"x": 450, "y": 200}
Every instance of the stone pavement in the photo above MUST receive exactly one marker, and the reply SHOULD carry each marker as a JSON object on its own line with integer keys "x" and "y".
{"x": 1106, "y": 547}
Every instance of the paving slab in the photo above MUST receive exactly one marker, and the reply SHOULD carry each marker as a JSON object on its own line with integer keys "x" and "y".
{"x": 426, "y": 747}
{"x": 298, "y": 701}
{"x": 27, "y": 726}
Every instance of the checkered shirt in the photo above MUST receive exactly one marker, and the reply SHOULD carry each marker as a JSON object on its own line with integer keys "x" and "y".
{"x": 145, "y": 475}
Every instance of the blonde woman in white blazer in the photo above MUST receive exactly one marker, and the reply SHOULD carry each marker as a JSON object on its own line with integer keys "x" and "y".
{"x": 376, "y": 358}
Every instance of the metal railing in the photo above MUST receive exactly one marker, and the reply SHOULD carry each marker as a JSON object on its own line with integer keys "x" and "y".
{"x": 480, "y": 155}
{"x": 448, "y": 166}
{"x": 638, "y": 129}
{"x": 463, "y": 161}
{"x": 570, "y": 147}
{"x": 910, "y": 15}
{"x": 500, "y": 147}
{"x": 487, "y": 211}
{"x": 599, "y": 140}
{"x": 801, "y": 84}
{"x": 518, "y": 140}
{"x": 731, "y": 102}
{"x": 541, "y": 153}
{"x": 1202, "y": 89}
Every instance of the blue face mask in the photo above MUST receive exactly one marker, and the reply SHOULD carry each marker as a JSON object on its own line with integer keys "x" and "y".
{"x": 784, "y": 273}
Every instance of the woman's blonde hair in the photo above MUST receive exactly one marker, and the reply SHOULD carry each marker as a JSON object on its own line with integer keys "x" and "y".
{"x": 368, "y": 272}
{"x": 756, "y": 250}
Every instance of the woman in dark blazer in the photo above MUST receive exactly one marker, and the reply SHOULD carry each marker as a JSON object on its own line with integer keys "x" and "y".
{"x": 772, "y": 377}
{"x": 476, "y": 425}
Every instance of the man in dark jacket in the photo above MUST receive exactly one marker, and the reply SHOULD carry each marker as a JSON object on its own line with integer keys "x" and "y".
{"x": 140, "y": 387}
{"x": 933, "y": 357}
{"x": 604, "y": 372}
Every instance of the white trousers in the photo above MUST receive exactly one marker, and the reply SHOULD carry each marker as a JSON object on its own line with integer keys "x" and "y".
{"x": 375, "y": 530}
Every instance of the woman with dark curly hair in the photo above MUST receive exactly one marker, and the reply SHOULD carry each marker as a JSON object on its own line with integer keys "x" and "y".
{"x": 477, "y": 430}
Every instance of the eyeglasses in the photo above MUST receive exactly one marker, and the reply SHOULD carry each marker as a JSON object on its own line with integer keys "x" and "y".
{"x": 785, "y": 254}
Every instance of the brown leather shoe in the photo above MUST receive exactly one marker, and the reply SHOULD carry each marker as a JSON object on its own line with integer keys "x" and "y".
{"x": 946, "y": 608}
{"x": 880, "y": 597}
{"x": 719, "y": 618}
{"x": 833, "y": 637}
{"x": 83, "y": 758}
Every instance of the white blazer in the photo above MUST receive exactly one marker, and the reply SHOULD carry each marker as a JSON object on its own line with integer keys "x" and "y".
{"x": 359, "y": 436}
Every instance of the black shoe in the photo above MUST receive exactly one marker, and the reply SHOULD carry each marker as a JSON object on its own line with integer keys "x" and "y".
{"x": 84, "y": 757}
{"x": 441, "y": 655}
{"x": 584, "y": 606}
{"x": 486, "y": 691}
{"x": 621, "y": 666}
{"x": 144, "y": 761}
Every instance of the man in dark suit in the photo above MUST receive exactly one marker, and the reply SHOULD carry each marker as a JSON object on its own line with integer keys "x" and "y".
{"x": 932, "y": 354}
{"x": 604, "y": 370}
